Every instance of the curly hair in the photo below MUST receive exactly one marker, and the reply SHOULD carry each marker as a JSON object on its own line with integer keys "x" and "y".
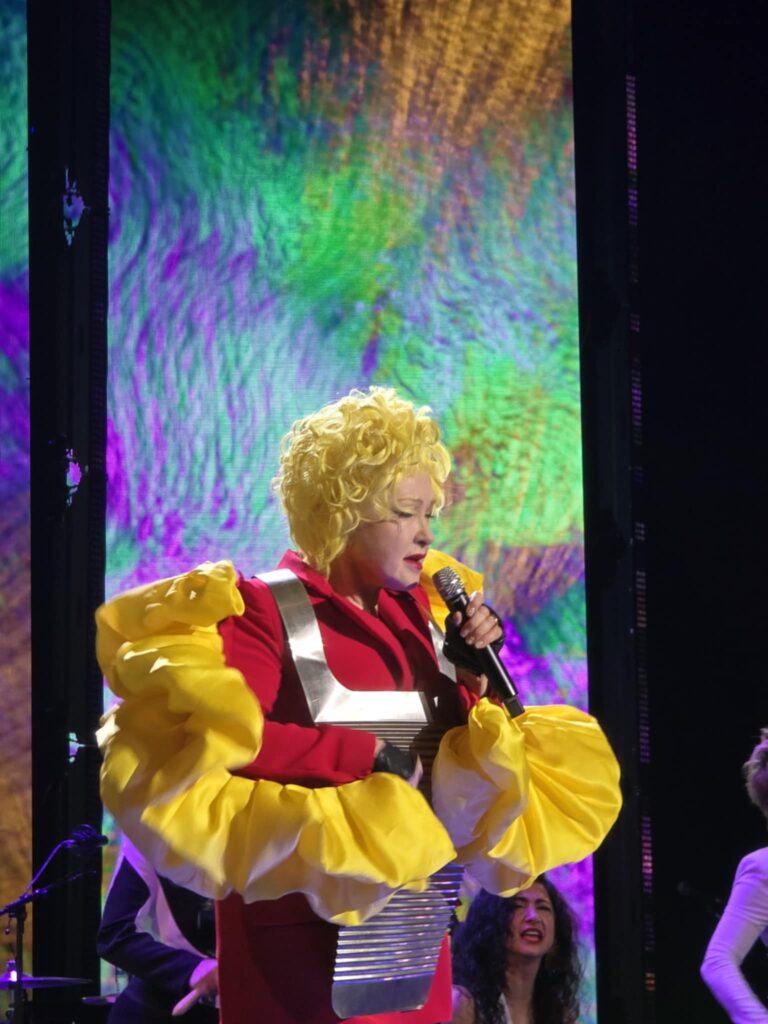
{"x": 756, "y": 773}
{"x": 340, "y": 465}
{"x": 480, "y": 960}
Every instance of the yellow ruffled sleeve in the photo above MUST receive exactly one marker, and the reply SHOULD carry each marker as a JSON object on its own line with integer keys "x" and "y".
{"x": 519, "y": 796}
{"x": 186, "y": 721}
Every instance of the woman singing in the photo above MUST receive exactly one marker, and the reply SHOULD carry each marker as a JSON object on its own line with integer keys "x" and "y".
{"x": 516, "y": 960}
{"x": 216, "y": 765}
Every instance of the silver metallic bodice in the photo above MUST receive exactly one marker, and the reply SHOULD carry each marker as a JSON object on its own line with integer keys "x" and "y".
{"x": 387, "y": 963}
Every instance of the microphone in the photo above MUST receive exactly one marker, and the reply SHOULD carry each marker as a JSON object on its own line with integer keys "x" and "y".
{"x": 451, "y": 589}
{"x": 85, "y": 836}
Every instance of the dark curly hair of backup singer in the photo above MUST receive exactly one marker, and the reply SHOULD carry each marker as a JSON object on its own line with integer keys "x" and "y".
{"x": 480, "y": 960}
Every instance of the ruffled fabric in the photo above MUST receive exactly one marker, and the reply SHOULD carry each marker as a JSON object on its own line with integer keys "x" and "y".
{"x": 187, "y": 721}
{"x": 520, "y": 796}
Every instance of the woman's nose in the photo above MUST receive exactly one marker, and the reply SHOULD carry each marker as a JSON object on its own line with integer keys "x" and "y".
{"x": 425, "y": 531}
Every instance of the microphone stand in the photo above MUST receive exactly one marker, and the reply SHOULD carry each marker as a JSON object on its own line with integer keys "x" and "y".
{"x": 17, "y": 910}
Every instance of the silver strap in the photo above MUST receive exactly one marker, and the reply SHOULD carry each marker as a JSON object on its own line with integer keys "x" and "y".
{"x": 328, "y": 699}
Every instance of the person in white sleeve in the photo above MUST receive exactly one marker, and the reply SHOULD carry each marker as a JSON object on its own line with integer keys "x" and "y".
{"x": 745, "y": 918}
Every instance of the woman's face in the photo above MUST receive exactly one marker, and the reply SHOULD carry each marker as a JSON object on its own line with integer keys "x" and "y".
{"x": 532, "y": 924}
{"x": 390, "y": 553}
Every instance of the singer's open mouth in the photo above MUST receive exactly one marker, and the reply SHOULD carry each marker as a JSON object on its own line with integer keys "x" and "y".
{"x": 417, "y": 561}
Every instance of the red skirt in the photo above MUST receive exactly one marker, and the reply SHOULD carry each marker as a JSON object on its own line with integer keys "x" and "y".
{"x": 276, "y": 967}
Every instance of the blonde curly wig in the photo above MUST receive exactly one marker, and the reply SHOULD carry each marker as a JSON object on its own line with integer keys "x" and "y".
{"x": 340, "y": 465}
{"x": 756, "y": 774}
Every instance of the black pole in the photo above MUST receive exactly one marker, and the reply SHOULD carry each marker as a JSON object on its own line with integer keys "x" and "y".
{"x": 19, "y": 1012}
{"x": 608, "y": 232}
{"x": 68, "y": 83}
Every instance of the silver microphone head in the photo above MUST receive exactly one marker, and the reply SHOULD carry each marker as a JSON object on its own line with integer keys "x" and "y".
{"x": 448, "y": 583}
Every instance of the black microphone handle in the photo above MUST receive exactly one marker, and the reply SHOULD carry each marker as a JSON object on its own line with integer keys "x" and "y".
{"x": 86, "y": 835}
{"x": 492, "y": 665}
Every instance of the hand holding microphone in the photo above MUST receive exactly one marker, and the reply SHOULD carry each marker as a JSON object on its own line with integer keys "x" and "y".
{"x": 451, "y": 589}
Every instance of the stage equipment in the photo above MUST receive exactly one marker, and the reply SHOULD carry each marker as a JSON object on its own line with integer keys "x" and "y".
{"x": 10, "y": 979}
{"x": 68, "y": 146}
{"x": 88, "y": 840}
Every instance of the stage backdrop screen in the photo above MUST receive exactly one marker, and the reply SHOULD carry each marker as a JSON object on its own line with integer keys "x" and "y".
{"x": 15, "y": 624}
{"x": 313, "y": 195}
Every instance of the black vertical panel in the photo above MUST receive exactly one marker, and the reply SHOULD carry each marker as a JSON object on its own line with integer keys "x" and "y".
{"x": 672, "y": 278}
{"x": 607, "y": 194}
{"x": 68, "y": 82}
{"x": 702, "y": 111}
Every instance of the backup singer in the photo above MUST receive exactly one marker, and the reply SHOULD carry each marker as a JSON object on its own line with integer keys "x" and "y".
{"x": 745, "y": 917}
{"x": 516, "y": 960}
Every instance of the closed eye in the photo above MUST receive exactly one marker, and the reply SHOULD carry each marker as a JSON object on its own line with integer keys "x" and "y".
{"x": 400, "y": 513}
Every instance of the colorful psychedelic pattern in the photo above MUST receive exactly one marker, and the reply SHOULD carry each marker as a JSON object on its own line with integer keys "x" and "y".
{"x": 15, "y": 619}
{"x": 313, "y": 195}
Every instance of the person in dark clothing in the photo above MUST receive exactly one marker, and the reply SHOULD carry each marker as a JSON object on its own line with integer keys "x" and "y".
{"x": 163, "y": 936}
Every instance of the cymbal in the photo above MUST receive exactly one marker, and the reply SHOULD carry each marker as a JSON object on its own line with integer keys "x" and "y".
{"x": 8, "y": 981}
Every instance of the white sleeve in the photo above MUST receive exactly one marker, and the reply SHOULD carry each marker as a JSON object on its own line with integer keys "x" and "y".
{"x": 744, "y": 918}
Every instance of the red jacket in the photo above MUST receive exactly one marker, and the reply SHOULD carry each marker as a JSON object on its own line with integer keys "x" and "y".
{"x": 276, "y": 958}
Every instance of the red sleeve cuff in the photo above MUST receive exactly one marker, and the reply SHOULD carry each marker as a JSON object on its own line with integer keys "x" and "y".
{"x": 326, "y": 755}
